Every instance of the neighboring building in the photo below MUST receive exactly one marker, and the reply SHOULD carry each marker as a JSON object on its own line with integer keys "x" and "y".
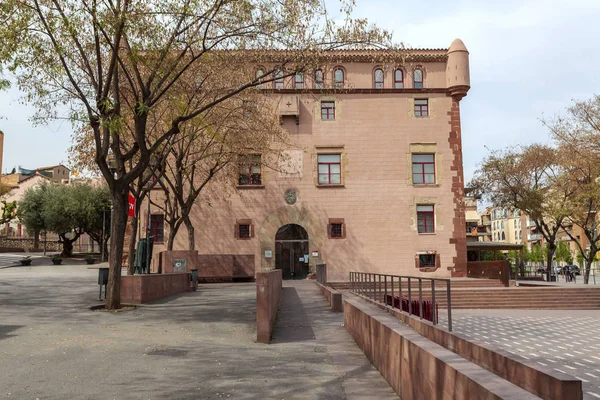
{"x": 472, "y": 217}
{"x": 56, "y": 173}
{"x": 509, "y": 226}
{"x": 14, "y": 227}
{"x": 377, "y": 178}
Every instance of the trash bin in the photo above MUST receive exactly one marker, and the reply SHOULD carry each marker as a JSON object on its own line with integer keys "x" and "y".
{"x": 194, "y": 279}
{"x": 552, "y": 278}
{"x": 102, "y": 281}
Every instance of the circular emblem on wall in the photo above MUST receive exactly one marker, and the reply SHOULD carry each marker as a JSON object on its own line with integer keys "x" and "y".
{"x": 290, "y": 196}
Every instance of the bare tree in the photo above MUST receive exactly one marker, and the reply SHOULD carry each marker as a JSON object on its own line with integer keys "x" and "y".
{"x": 101, "y": 64}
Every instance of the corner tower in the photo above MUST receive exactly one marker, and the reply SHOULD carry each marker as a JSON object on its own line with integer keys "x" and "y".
{"x": 458, "y": 78}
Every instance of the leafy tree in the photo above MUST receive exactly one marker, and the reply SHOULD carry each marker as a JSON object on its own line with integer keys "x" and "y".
{"x": 9, "y": 211}
{"x": 524, "y": 178}
{"x": 30, "y": 211}
{"x": 563, "y": 253}
{"x": 118, "y": 65}
{"x": 578, "y": 137}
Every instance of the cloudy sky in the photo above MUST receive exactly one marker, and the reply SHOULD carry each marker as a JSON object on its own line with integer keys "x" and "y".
{"x": 529, "y": 59}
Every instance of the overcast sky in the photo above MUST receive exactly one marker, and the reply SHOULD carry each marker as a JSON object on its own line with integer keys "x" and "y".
{"x": 529, "y": 59}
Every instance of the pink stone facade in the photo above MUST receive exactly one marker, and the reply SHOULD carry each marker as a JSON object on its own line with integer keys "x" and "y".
{"x": 376, "y": 132}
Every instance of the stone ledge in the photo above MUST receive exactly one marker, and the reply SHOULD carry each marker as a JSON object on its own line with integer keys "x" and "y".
{"x": 334, "y": 298}
{"x": 543, "y": 382}
{"x": 417, "y": 368}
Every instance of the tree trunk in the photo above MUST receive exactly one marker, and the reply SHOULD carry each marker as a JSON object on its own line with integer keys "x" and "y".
{"x": 549, "y": 257}
{"x": 132, "y": 243}
{"x": 67, "y": 245}
{"x": 171, "y": 239}
{"x": 190, "y": 231}
{"x": 36, "y": 239}
{"x": 119, "y": 225}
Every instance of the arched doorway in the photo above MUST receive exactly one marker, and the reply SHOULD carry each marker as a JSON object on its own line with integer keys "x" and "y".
{"x": 291, "y": 251}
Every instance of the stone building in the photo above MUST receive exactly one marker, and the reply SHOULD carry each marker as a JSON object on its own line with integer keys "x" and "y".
{"x": 376, "y": 178}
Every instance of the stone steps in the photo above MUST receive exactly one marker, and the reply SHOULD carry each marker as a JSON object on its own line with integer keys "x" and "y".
{"x": 555, "y": 298}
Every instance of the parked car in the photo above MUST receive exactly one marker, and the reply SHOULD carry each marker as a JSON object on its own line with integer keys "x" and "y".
{"x": 571, "y": 268}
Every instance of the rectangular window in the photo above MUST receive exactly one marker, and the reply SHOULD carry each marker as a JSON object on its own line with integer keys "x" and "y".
{"x": 278, "y": 82}
{"x": 425, "y": 219}
{"x": 299, "y": 81}
{"x": 157, "y": 228}
{"x": 426, "y": 260}
{"x": 328, "y": 110}
{"x": 336, "y": 230}
{"x": 423, "y": 169}
{"x": 244, "y": 231}
{"x": 250, "y": 170}
{"x": 421, "y": 107}
{"x": 330, "y": 169}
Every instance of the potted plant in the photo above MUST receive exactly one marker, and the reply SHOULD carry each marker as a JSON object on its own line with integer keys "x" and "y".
{"x": 25, "y": 261}
{"x": 89, "y": 259}
{"x": 56, "y": 260}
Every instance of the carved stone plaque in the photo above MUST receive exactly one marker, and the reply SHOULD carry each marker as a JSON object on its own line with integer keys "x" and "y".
{"x": 180, "y": 265}
{"x": 290, "y": 196}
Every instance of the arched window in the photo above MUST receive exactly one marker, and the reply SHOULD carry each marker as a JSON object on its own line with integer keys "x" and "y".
{"x": 338, "y": 78}
{"x": 418, "y": 79}
{"x": 278, "y": 82}
{"x": 502, "y": 224}
{"x": 319, "y": 83}
{"x": 503, "y": 236}
{"x": 299, "y": 80}
{"x": 398, "y": 79}
{"x": 378, "y": 78}
{"x": 259, "y": 74}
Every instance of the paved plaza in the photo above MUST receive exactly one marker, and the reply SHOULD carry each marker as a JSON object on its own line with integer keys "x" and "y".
{"x": 197, "y": 345}
{"x": 567, "y": 341}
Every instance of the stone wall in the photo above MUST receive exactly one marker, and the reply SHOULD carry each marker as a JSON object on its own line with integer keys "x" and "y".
{"x": 268, "y": 294}
{"x": 489, "y": 270}
{"x": 417, "y": 368}
{"x": 137, "y": 289}
{"x": 12, "y": 245}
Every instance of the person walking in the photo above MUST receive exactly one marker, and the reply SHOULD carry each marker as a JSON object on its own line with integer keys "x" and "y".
{"x": 573, "y": 275}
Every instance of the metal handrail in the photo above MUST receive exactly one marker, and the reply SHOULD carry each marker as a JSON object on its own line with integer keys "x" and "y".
{"x": 370, "y": 285}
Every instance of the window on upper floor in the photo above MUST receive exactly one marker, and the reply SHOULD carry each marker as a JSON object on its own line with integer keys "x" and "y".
{"x": 259, "y": 74}
{"x": 250, "y": 170}
{"x": 425, "y": 218}
{"x": 328, "y": 110}
{"x": 515, "y": 223}
{"x": 398, "y": 79}
{"x": 330, "y": 169}
{"x": 423, "y": 169}
{"x": 503, "y": 236}
{"x": 378, "y": 78}
{"x": 299, "y": 80}
{"x": 418, "y": 79}
{"x": 421, "y": 107}
{"x": 338, "y": 78}
{"x": 278, "y": 82}
{"x": 502, "y": 224}
{"x": 319, "y": 79}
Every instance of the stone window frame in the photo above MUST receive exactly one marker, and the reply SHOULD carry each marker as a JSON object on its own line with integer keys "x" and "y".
{"x": 321, "y": 103}
{"x": 424, "y": 148}
{"x": 244, "y": 159}
{"x": 236, "y": 231}
{"x": 335, "y": 82}
{"x": 330, "y": 150}
{"x": 426, "y": 214}
{"x": 336, "y": 221}
{"x": 437, "y": 256}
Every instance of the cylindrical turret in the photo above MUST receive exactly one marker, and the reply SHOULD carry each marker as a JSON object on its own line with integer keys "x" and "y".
{"x": 458, "y": 78}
